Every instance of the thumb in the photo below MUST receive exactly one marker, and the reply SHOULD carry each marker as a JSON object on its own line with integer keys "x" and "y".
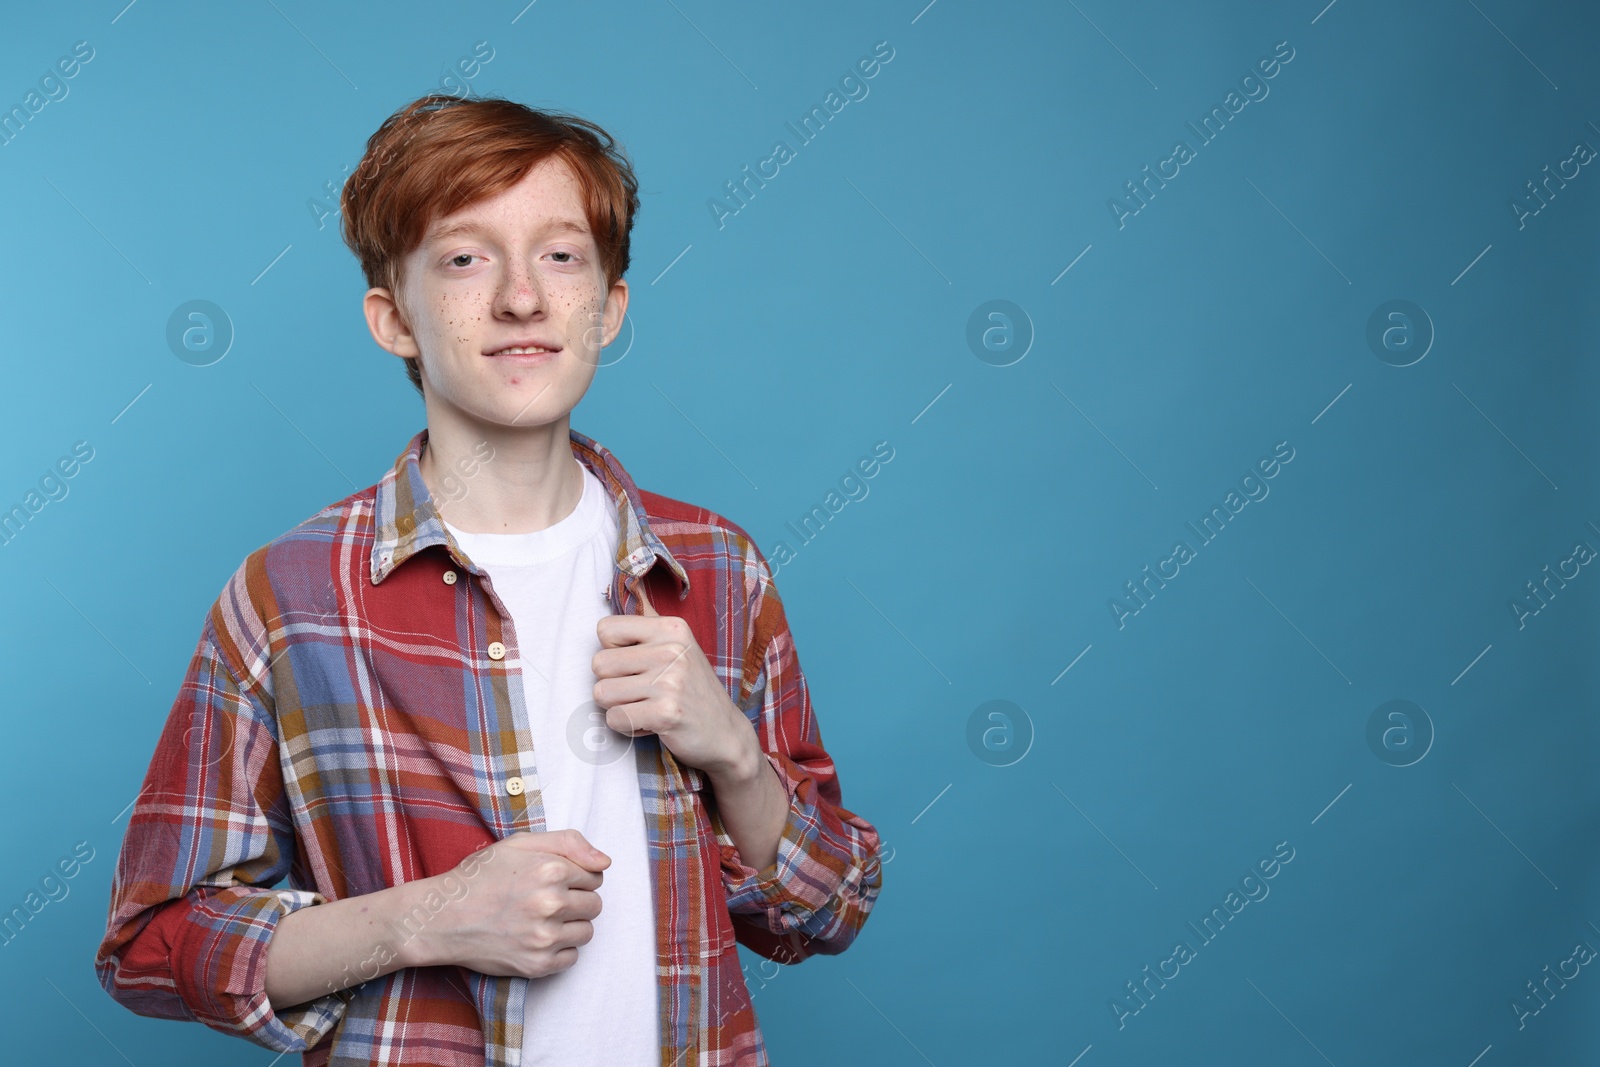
{"x": 573, "y": 845}
{"x": 646, "y": 608}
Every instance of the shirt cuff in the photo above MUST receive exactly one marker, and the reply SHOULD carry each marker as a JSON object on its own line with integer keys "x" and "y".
{"x": 224, "y": 967}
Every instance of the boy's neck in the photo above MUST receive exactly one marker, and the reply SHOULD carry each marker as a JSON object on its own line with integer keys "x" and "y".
{"x": 497, "y": 479}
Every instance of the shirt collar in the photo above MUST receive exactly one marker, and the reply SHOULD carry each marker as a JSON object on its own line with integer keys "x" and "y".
{"x": 408, "y": 522}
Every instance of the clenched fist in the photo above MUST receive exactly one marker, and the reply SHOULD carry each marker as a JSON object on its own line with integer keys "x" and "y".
{"x": 529, "y": 902}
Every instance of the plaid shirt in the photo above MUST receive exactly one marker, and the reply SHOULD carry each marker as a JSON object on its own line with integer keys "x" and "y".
{"x": 344, "y": 722}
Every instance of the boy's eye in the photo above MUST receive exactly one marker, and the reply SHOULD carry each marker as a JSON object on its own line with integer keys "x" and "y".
{"x": 456, "y": 260}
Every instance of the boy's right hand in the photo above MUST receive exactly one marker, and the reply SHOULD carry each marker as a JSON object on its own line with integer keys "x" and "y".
{"x": 529, "y": 903}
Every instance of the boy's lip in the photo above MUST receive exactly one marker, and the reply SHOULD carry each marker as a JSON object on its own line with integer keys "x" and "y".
{"x": 549, "y": 348}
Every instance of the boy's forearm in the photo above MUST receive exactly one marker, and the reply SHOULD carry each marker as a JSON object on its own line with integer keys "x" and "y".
{"x": 754, "y": 807}
{"x": 316, "y": 951}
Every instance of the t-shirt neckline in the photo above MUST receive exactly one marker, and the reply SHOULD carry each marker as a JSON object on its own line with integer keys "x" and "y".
{"x": 539, "y": 546}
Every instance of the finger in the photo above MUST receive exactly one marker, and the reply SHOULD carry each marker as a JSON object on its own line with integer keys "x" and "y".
{"x": 630, "y": 720}
{"x": 569, "y": 844}
{"x": 578, "y": 879}
{"x": 617, "y": 630}
{"x": 645, "y": 607}
{"x": 580, "y": 905}
{"x": 630, "y": 691}
{"x": 623, "y": 660}
{"x": 576, "y": 933}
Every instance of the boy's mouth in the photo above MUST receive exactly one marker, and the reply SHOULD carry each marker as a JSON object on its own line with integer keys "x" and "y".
{"x": 524, "y": 349}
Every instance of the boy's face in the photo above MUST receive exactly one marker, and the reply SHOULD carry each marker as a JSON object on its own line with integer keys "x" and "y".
{"x": 521, "y": 269}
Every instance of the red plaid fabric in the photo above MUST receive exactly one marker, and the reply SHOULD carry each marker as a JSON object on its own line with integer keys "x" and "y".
{"x": 343, "y": 726}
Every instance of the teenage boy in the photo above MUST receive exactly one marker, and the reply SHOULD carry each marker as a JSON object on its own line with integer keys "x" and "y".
{"x": 465, "y": 706}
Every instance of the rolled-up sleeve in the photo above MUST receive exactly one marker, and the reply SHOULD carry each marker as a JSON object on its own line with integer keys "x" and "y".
{"x": 191, "y": 911}
{"x": 816, "y": 896}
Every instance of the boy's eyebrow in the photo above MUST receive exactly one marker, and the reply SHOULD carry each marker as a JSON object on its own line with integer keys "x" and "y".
{"x": 469, "y": 226}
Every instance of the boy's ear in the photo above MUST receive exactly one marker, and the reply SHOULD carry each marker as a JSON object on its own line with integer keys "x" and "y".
{"x": 616, "y": 310}
{"x": 387, "y": 323}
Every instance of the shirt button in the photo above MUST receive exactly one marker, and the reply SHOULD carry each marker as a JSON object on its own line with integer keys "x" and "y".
{"x": 514, "y": 785}
{"x": 497, "y": 650}
{"x": 449, "y": 577}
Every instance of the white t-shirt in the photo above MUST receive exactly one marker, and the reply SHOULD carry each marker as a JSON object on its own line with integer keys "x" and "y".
{"x": 554, "y": 582}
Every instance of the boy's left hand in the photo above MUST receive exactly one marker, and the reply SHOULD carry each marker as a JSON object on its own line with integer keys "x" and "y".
{"x": 652, "y": 677}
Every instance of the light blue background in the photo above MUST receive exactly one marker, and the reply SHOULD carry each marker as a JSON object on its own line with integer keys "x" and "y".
{"x": 831, "y": 313}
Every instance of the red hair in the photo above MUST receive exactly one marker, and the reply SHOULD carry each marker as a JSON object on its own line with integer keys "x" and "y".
{"x": 441, "y": 153}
